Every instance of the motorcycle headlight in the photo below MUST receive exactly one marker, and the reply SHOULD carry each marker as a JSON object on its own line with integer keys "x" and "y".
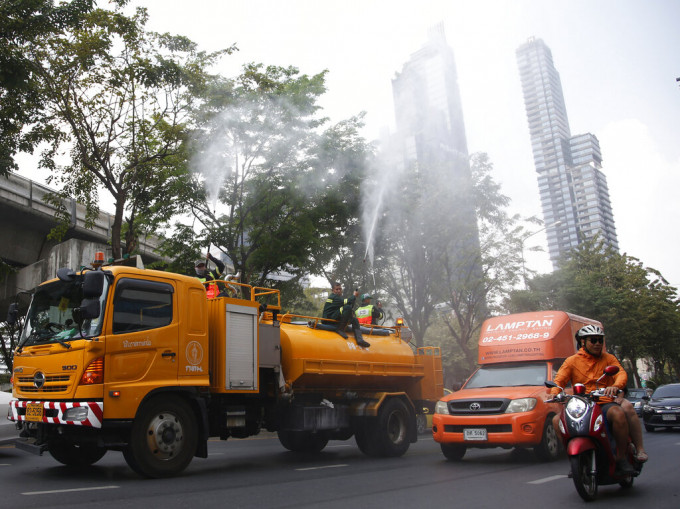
{"x": 521, "y": 405}
{"x": 441, "y": 408}
{"x": 576, "y": 408}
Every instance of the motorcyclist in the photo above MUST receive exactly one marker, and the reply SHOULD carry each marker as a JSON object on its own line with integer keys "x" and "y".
{"x": 585, "y": 367}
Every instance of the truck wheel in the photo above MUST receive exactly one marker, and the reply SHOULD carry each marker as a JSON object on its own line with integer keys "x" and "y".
{"x": 453, "y": 452}
{"x": 549, "y": 448}
{"x": 163, "y": 438}
{"x": 302, "y": 441}
{"x": 389, "y": 433}
{"x": 75, "y": 455}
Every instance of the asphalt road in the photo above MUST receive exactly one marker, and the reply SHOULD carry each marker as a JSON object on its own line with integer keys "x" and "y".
{"x": 259, "y": 473}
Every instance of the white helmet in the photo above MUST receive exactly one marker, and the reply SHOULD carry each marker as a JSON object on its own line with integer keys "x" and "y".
{"x": 588, "y": 330}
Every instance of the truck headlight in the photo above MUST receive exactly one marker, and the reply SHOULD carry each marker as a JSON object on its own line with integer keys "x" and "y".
{"x": 521, "y": 405}
{"x": 76, "y": 414}
{"x": 441, "y": 408}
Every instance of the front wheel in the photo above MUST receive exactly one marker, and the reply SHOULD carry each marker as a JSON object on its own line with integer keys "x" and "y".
{"x": 163, "y": 438}
{"x": 549, "y": 448}
{"x": 584, "y": 475}
{"x": 75, "y": 455}
{"x": 453, "y": 452}
{"x": 649, "y": 428}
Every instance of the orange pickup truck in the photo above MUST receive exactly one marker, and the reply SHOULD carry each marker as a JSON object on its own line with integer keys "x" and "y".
{"x": 503, "y": 403}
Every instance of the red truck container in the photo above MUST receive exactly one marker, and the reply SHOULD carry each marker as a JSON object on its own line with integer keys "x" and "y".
{"x": 503, "y": 403}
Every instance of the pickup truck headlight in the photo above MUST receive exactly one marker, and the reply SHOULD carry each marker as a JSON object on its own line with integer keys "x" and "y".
{"x": 521, "y": 405}
{"x": 441, "y": 408}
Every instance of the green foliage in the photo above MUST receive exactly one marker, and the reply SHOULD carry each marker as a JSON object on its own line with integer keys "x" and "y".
{"x": 638, "y": 308}
{"x": 117, "y": 100}
{"x": 280, "y": 191}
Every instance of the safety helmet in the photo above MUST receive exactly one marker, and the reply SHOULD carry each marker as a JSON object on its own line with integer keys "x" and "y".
{"x": 366, "y": 296}
{"x": 588, "y": 330}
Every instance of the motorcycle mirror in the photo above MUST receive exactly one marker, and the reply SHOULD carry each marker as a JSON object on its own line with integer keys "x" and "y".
{"x": 550, "y": 384}
{"x": 611, "y": 370}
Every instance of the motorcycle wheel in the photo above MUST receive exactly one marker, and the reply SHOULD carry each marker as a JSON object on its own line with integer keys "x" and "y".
{"x": 584, "y": 481}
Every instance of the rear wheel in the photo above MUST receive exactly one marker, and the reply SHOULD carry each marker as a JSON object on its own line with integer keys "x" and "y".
{"x": 585, "y": 480}
{"x": 421, "y": 423}
{"x": 388, "y": 434}
{"x": 302, "y": 441}
{"x": 453, "y": 452}
{"x": 75, "y": 455}
{"x": 549, "y": 448}
{"x": 163, "y": 438}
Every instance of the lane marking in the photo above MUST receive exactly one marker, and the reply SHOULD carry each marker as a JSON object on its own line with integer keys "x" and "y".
{"x": 70, "y": 490}
{"x": 338, "y": 445}
{"x": 320, "y": 468}
{"x": 548, "y": 479}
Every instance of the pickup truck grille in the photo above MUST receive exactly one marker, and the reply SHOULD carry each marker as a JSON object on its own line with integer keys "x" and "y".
{"x": 478, "y": 406}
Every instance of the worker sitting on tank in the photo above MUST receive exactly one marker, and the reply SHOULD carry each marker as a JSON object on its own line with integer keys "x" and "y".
{"x": 341, "y": 310}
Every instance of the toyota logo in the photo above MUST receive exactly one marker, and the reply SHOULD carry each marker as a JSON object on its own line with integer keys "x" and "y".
{"x": 475, "y": 406}
{"x": 39, "y": 380}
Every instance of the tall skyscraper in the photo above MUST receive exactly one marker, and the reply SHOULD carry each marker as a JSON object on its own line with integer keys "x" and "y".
{"x": 573, "y": 189}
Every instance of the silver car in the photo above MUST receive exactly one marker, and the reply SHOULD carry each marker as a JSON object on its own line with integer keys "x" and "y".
{"x": 8, "y": 430}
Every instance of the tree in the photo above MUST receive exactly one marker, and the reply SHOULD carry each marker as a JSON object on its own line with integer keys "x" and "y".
{"x": 22, "y": 22}
{"x": 638, "y": 308}
{"x": 118, "y": 99}
{"x": 281, "y": 192}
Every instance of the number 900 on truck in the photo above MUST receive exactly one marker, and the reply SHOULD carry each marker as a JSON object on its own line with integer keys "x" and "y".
{"x": 140, "y": 361}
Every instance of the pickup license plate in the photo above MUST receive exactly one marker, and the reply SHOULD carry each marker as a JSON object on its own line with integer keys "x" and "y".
{"x": 474, "y": 434}
{"x": 34, "y": 412}
{"x": 668, "y": 417}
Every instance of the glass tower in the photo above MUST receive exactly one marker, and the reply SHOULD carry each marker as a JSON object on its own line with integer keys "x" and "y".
{"x": 573, "y": 189}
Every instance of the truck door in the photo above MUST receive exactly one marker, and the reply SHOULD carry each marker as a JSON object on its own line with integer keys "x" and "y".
{"x": 142, "y": 347}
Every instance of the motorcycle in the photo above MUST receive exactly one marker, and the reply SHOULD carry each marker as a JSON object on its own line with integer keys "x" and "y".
{"x": 588, "y": 442}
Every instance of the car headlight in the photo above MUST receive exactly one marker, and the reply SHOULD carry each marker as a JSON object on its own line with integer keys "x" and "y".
{"x": 521, "y": 405}
{"x": 576, "y": 408}
{"x": 441, "y": 408}
{"x": 647, "y": 408}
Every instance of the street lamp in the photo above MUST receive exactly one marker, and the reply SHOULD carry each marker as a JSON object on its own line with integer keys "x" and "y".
{"x": 524, "y": 272}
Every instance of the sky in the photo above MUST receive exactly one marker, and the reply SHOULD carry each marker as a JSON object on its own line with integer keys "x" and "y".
{"x": 617, "y": 59}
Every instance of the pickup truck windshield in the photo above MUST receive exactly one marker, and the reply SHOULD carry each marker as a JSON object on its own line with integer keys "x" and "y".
{"x": 508, "y": 375}
{"x": 50, "y": 315}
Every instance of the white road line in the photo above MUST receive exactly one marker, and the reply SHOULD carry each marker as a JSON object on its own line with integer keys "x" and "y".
{"x": 70, "y": 490}
{"x": 5, "y": 464}
{"x": 319, "y": 468}
{"x": 547, "y": 479}
{"x": 338, "y": 445}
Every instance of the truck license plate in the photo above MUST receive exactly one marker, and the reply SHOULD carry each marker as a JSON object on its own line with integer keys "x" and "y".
{"x": 474, "y": 434}
{"x": 667, "y": 417}
{"x": 34, "y": 412}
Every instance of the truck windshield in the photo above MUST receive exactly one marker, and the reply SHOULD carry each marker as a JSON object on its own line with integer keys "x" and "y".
{"x": 505, "y": 375}
{"x": 50, "y": 315}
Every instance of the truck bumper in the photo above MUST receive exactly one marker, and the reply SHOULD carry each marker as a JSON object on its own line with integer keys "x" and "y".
{"x": 504, "y": 430}
{"x": 74, "y": 413}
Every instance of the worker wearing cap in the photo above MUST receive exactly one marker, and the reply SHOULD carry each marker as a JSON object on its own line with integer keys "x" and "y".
{"x": 367, "y": 313}
{"x": 203, "y": 273}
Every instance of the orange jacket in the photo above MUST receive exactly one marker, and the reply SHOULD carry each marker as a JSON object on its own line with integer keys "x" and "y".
{"x": 583, "y": 368}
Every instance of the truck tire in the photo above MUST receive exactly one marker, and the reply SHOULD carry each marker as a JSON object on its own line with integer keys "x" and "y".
{"x": 388, "y": 434}
{"x": 453, "y": 452}
{"x": 75, "y": 455}
{"x": 302, "y": 441}
{"x": 421, "y": 423}
{"x": 163, "y": 438}
{"x": 549, "y": 448}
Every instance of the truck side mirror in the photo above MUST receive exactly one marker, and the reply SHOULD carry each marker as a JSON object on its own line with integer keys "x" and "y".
{"x": 65, "y": 274}
{"x": 12, "y": 313}
{"x": 93, "y": 284}
{"x": 89, "y": 309}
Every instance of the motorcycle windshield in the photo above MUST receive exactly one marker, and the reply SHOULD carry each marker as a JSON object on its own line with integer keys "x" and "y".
{"x": 50, "y": 316}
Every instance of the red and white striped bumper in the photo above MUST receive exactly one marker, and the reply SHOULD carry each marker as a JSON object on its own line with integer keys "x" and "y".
{"x": 53, "y": 412}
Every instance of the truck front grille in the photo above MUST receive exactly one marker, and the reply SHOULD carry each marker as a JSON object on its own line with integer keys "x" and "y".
{"x": 53, "y": 384}
{"x": 478, "y": 406}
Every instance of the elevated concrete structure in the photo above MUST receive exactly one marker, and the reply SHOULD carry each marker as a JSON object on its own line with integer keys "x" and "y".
{"x": 26, "y": 221}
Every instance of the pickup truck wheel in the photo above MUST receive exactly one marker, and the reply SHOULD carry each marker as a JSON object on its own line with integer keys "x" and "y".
{"x": 163, "y": 438}
{"x": 75, "y": 455}
{"x": 549, "y": 448}
{"x": 302, "y": 441}
{"x": 453, "y": 452}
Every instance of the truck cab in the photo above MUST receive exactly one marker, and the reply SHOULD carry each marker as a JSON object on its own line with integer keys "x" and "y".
{"x": 502, "y": 404}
